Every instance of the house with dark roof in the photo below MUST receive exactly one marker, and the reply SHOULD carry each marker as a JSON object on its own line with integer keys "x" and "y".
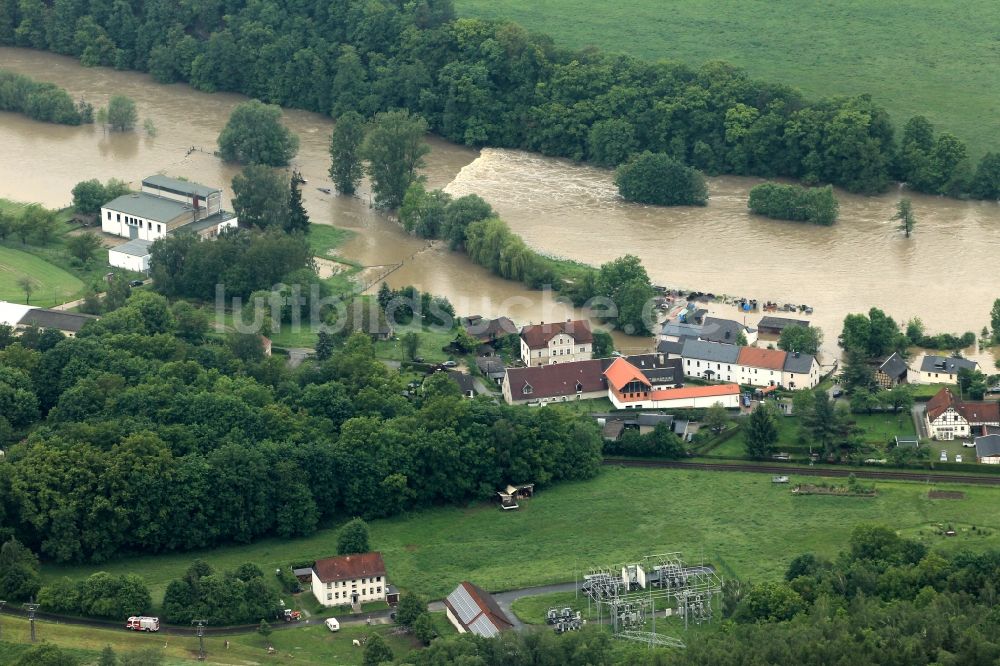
{"x": 491, "y": 367}
{"x": 466, "y": 384}
{"x": 662, "y": 372}
{"x": 892, "y": 371}
{"x": 948, "y": 418}
{"x": 710, "y": 329}
{"x": 988, "y": 449}
{"x": 775, "y": 325}
{"x": 753, "y": 366}
{"x": 943, "y": 369}
{"x": 350, "y": 580}
{"x": 542, "y": 344}
{"x": 473, "y": 610}
{"x": 669, "y": 349}
{"x": 556, "y": 382}
{"x": 20, "y": 317}
{"x": 489, "y": 330}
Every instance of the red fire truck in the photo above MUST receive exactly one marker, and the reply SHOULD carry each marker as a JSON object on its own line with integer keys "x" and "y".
{"x": 143, "y": 623}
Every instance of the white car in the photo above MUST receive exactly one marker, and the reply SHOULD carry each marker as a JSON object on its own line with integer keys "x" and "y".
{"x": 958, "y": 457}
{"x": 332, "y": 624}
{"x": 944, "y": 456}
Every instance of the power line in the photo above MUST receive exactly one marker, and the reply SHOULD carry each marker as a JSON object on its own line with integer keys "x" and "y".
{"x": 201, "y": 637}
{"x": 31, "y": 608}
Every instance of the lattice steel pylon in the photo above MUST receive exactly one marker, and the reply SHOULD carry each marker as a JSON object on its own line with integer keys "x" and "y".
{"x": 630, "y": 596}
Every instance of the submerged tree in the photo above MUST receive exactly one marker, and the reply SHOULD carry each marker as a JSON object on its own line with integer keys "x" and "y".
{"x": 345, "y": 152}
{"x": 904, "y": 215}
{"x": 122, "y": 114}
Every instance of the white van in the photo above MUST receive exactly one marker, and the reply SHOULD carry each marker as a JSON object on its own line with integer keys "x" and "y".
{"x": 332, "y": 624}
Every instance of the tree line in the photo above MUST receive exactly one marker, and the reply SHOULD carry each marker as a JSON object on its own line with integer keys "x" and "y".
{"x": 41, "y": 101}
{"x": 130, "y": 438}
{"x": 494, "y": 83}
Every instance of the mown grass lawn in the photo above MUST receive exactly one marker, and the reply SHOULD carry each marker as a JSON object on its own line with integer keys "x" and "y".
{"x": 313, "y": 645}
{"x": 52, "y": 285}
{"x": 738, "y": 521}
{"x": 912, "y": 56}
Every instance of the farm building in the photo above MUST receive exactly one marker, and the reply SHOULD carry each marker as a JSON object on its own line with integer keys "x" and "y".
{"x": 472, "y": 610}
{"x": 20, "y": 317}
{"x": 132, "y": 255}
{"x": 775, "y": 325}
{"x": 988, "y": 449}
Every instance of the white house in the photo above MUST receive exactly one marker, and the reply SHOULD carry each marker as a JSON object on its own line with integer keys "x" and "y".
{"x": 752, "y": 366}
{"x": 943, "y": 369}
{"x": 542, "y": 344}
{"x": 165, "y": 205}
{"x": 349, "y": 579}
{"x": 630, "y": 388}
{"x": 132, "y": 255}
{"x": 947, "y": 418}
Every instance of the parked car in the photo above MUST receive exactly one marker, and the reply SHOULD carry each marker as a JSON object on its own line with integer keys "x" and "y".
{"x": 837, "y": 392}
{"x": 958, "y": 457}
{"x": 944, "y": 456}
{"x": 449, "y": 364}
{"x": 135, "y": 283}
{"x": 332, "y": 624}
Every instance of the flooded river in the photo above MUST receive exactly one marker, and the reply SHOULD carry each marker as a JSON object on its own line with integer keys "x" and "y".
{"x": 944, "y": 273}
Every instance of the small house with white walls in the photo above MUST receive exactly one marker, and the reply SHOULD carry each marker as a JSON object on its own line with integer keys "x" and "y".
{"x": 165, "y": 205}
{"x": 132, "y": 255}
{"x": 561, "y": 342}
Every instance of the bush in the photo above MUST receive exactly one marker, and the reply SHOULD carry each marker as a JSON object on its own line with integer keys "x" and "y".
{"x": 794, "y": 202}
{"x": 659, "y": 179}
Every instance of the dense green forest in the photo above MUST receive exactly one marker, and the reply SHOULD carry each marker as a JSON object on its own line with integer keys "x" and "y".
{"x": 130, "y": 438}
{"x": 495, "y": 83}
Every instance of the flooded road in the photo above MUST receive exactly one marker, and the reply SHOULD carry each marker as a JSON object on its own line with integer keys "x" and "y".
{"x": 944, "y": 274}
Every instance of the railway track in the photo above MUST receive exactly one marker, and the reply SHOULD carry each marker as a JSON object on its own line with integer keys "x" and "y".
{"x": 884, "y": 475}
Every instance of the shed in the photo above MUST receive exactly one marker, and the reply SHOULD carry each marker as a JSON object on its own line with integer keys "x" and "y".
{"x": 132, "y": 255}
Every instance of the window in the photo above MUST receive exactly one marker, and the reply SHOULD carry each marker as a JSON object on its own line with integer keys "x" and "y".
{"x": 336, "y": 595}
{"x": 329, "y": 596}
{"x": 364, "y": 580}
{"x": 118, "y": 216}
{"x": 378, "y": 579}
{"x": 109, "y": 214}
{"x": 158, "y": 228}
{"x": 329, "y": 585}
{"x": 379, "y": 589}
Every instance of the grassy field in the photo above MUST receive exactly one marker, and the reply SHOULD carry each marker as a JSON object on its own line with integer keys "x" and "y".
{"x": 740, "y": 522}
{"x": 309, "y": 645}
{"x": 53, "y": 285}
{"x": 912, "y": 56}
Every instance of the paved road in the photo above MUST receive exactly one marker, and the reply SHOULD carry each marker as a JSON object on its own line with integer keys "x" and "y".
{"x": 918, "y": 411}
{"x": 506, "y": 599}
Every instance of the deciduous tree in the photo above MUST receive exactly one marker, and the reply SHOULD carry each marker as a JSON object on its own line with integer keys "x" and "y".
{"x": 254, "y": 135}
{"x": 346, "y": 168}
{"x": 394, "y": 149}
{"x": 122, "y": 114}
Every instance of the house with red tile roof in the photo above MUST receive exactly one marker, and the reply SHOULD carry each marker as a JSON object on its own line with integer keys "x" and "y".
{"x": 558, "y": 382}
{"x": 948, "y": 418}
{"x": 560, "y": 342}
{"x": 349, "y": 580}
{"x": 628, "y": 388}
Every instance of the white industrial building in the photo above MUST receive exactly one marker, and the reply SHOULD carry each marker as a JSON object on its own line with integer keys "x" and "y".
{"x": 132, "y": 256}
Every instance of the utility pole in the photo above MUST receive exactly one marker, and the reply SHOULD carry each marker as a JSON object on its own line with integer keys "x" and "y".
{"x": 201, "y": 638}
{"x": 31, "y": 608}
{"x": 2, "y": 604}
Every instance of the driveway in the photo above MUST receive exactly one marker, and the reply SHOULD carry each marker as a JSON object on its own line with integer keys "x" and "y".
{"x": 918, "y": 411}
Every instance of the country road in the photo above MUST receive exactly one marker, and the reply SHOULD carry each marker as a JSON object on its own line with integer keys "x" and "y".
{"x": 819, "y": 470}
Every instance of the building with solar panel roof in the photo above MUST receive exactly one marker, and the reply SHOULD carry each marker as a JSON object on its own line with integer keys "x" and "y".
{"x": 470, "y": 609}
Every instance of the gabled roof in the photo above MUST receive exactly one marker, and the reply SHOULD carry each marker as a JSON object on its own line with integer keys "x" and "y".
{"x": 489, "y": 329}
{"x": 977, "y": 413}
{"x": 12, "y": 313}
{"x": 710, "y": 351}
{"x": 178, "y": 186}
{"x": 695, "y": 392}
{"x": 136, "y": 247}
{"x": 148, "y": 206}
{"x": 894, "y": 366}
{"x": 477, "y": 611}
{"x": 947, "y": 364}
{"x": 621, "y": 372}
{"x": 987, "y": 446}
{"x": 780, "y": 323}
{"x": 675, "y": 329}
{"x": 799, "y": 363}
{"x": 349, "y": 567}
{"x": 767, "y": 359}
{"x": 537, "y": 336}
{"x": 466, "y": 383}
{"x": 658, "y": 370}
{"x": 557, "y": 379}
{"x": 57, "y": 319}
{"x": 489, "y": 365}
{"x": 940, "y": 403}
{"x": 666, "y": 347}
{"x": 714, "y": 329}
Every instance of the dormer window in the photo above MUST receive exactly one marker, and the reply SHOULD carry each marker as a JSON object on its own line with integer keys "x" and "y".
{"x": 579, "y": 387}
{"x": 527, "y": 390}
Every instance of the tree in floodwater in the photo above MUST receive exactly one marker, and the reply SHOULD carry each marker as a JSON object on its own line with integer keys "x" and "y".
{"x": 122, "y": 114}
{"x": 345, "y": 152}
{"x": 394, "y": 150}
{"x": 904, "y": 215}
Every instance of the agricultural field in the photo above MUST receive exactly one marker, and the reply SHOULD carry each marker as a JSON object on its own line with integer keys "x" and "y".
{"x": 913, "y": 57}
{"x": 738, "y": 521}
{"x": 314, "y": 645}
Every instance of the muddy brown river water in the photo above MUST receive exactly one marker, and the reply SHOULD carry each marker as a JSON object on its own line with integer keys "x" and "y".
{"x": 946, "y": 273}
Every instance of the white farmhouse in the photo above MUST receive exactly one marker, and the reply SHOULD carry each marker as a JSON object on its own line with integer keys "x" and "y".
{"x": 350, "y": 580}
{"x": 943, "y": 369}
{"x": 542, "y": 344}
